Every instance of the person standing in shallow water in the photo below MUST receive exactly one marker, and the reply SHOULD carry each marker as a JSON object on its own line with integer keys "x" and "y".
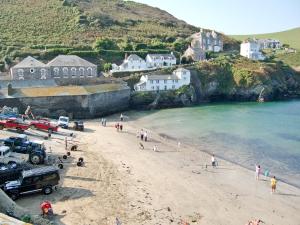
{"x": 121, "y": 117}
{"x": 257, "y": 171}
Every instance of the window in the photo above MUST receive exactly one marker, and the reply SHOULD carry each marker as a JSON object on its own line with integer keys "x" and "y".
{"x": 56, "y": 72}
{"x": 152, "y": 87}
{"x": 49, "y": 177}
{"x": 32, "y": 70}
{"x": 176, "y": 81}
{"x": 165, "y": 81}
{"x": 81, "y": 72}
{"x": 173, "y": 86}
{"x": 173, "y": 81}
{"x": 21, "y": 74}
{"x": 27, "y": 181}
{"x": 151, "y": 81}
{"x": 43, "y": 74}
{"x": 65, "y": 72}
{"x": 157, "y": 81}
{"x": 89, "y": 72}
{"x": 73, "y": 72}
{"x": 165, "y": 87}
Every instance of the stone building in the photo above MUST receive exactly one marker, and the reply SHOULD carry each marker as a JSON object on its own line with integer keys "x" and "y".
{"x": 30, "y": 69}
{"x": 251, "y": 50}
{"x": 71, "y": 66}
{"x": 194, "y": 52}
{"x": 61, "y": 67}
{"x": 209, "y": 40}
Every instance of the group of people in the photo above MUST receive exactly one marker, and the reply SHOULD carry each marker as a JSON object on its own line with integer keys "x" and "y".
{"x": 142, "y": 134}
{"x": 119, "y": 127}
{"x": 258, "y": 171}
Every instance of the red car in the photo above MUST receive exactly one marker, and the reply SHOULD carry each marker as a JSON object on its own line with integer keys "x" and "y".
{"x": 14, "y": 124}
{"x": 43, "y": 125}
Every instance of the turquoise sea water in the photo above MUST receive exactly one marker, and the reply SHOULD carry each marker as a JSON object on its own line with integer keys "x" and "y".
{"x": 245, "y": 133}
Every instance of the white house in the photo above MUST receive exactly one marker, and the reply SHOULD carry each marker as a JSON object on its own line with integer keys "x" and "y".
{"x": 269, "y": 43}
{"x": 160, "y": 60}
{"x": 130, "y": 63}
{"x": 251, "y": 50}
{"x": 172, "y": 81}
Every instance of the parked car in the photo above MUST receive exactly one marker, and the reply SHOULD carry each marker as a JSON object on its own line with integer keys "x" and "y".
{"x": 78, "y": 125}
{"x": 35, "y": 149}
{"x": 8, "y": 157}
{"x": 14, "y": 124}
{"x": 43, "y": 179}
{"x": 43, "y": 125}
{"x": 63, "y": 122}
{"x": 9, "y": 172}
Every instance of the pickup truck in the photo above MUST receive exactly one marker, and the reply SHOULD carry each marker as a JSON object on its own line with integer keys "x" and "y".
{"x": 14, "y": 124}
{"x": 8, "y": 157}
{"x": 11, "y": 172}
{"x": 35, "y": 149}
{"x": 43, "y": 125}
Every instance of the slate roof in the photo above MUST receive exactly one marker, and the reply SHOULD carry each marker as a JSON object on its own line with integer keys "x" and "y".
{"x": 164, "y": 56}
{"x": 134, "y": 57}
{"x": 163, "y": 77}
{"x": 70, "y": 60}
{"x": 29, "y": 62}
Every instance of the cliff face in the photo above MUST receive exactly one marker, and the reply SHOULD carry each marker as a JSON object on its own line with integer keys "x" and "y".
{"x": 227, "y": 79}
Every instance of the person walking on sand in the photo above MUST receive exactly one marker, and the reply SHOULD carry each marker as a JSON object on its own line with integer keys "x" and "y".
{"x": 213, "y": 161}
{"x": 142, "y": 134}
{"x": 145, "y": 136}
{"x": 104, "y": 122}
{"x": 155, "y": 149}
{"x": 121, "y": 127}
{"x": 273, "y": 184}
{"x": 257, "y": 171}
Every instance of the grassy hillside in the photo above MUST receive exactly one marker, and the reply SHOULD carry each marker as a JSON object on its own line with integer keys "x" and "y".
{"x": 290, "y": 37}
{"x": 46, "y": 28}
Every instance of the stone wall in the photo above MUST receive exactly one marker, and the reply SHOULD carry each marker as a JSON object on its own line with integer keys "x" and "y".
{"x": 77, "y": 107}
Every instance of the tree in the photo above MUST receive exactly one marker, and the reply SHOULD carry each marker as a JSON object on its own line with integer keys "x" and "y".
{"x": 125, "y": 46}
{"x": 107, "y": 67}
{"x": 180, "y": 45}
{"x": 105, "y": 44}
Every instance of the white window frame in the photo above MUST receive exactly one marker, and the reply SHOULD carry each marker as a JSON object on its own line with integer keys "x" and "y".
{"x": 65, "y": 72}
{"x": 73, "y": 72}
{"x": 43, "y": 74}
{"x": 81, "y": 72}
{"x": 56, "y": 72}
{"x": 89, "y": 72}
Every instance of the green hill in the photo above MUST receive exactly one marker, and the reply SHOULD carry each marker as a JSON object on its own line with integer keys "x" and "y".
{"x": 46, "y": 28}
{"x": 290, "y": 37}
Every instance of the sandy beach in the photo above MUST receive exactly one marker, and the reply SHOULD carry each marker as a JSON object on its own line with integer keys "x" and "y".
{"x": 169, "y": 186}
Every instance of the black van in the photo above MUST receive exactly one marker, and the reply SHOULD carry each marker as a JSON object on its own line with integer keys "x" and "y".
{"x": 39, "y": 179}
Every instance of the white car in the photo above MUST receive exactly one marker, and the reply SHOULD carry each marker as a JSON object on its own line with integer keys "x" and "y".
{"x": 8, "y": 157}
{"x": 63, "y": 122}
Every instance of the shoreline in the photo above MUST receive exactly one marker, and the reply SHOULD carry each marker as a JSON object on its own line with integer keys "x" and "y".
{"x": 194, "y": 146}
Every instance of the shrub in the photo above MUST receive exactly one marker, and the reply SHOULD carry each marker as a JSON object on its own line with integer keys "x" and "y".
{"x": 105, "y": 44}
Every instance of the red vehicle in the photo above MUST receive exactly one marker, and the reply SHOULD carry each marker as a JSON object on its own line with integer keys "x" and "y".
{"x": 14, "y": 124}
{"x": 43, "y": 125}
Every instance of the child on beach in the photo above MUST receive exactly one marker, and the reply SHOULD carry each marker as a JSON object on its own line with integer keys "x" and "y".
{"x": 142, "y": 134}
{"x": 155, "y": 148}
{"x": 121, "y": 127}
{"x": 257, "y": 171}
{"x": 145, "y": 136}
{"x": 273, "y": 184}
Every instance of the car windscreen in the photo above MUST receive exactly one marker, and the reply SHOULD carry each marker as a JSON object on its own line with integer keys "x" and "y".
{"x": 63, "y": 120}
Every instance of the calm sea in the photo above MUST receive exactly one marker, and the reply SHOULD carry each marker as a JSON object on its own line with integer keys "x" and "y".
{"x": 245, "y": 133}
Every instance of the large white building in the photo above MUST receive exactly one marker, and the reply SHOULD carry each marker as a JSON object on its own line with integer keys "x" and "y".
{"x": 130, "y": 63}
{"x": 251, "y": 50}
{"x": 172, "y": 81}
{"x": 160, "y": 60}
{"x": 269, "y": 43}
